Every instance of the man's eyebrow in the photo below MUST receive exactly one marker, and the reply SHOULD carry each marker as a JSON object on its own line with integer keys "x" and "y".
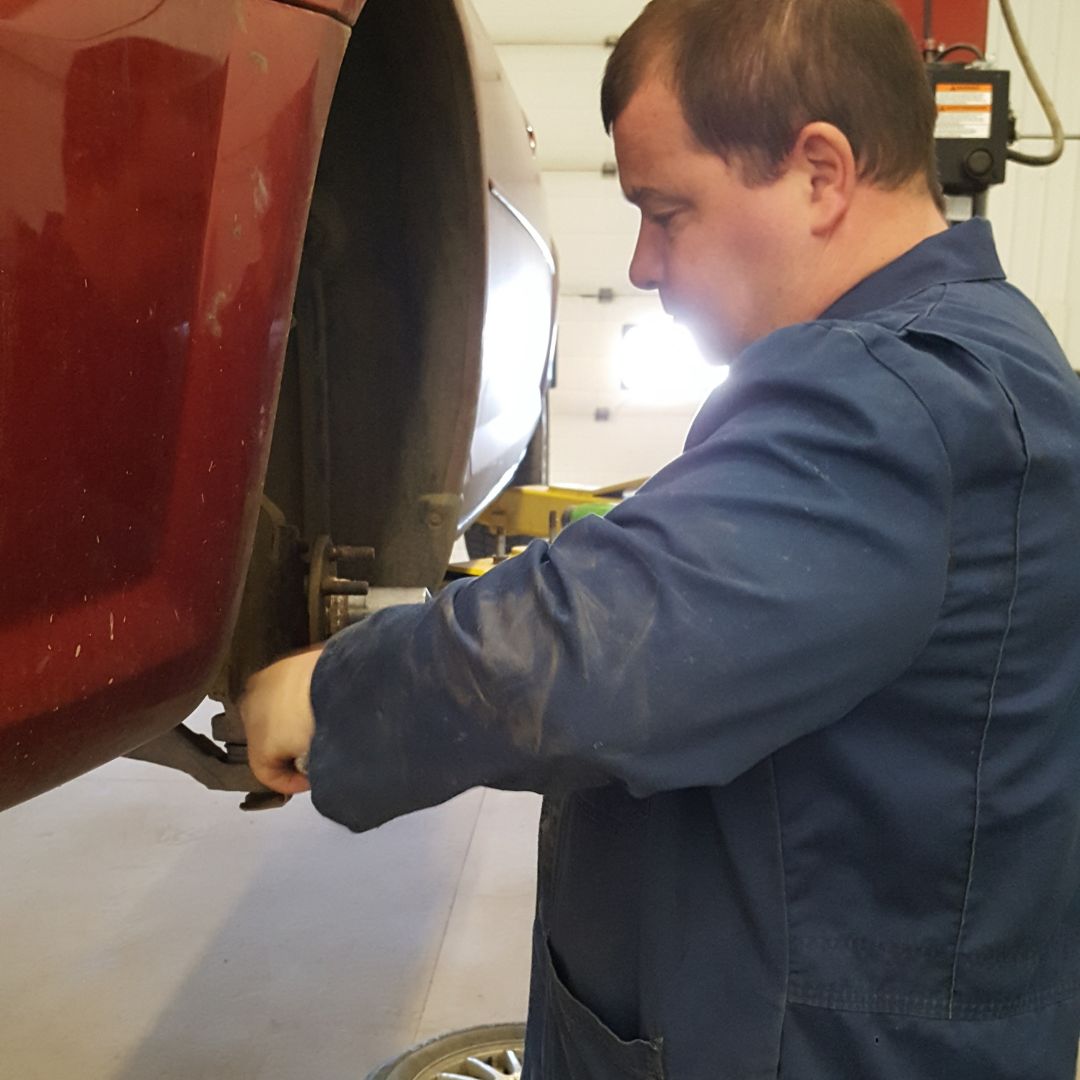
{"x": 637, "y": 196}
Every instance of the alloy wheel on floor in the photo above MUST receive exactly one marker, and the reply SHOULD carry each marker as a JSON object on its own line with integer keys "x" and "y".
{"x": 490, "y": 1052}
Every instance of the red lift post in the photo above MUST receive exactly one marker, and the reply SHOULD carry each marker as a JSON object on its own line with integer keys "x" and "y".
{"x": 947, "y": 22}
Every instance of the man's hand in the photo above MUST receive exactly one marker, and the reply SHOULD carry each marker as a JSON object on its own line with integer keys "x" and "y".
{"x": 276, "y": 710}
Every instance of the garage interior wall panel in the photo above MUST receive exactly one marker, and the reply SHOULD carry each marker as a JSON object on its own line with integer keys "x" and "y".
{"x": 595, "y": 228}
{"x": 555, "y": 54}
{"x": 1036, "y": 214}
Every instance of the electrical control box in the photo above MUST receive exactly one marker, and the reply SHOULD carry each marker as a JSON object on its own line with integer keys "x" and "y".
{"x": 972, "y": 127}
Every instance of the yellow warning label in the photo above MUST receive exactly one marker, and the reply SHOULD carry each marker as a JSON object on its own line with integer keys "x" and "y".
{"x": 965, "y": 110}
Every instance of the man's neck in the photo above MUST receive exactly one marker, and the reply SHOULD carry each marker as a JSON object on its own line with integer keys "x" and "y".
{"x": 880, "y": 227}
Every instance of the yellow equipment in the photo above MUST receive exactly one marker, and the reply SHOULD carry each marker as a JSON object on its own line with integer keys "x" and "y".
{"x": 538, "y": 510}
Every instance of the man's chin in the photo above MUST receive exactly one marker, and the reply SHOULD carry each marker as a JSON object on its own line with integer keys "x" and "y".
{"x": 722, "y": 347}
{"x": 718, "y": 355}
{"x": 716, "y": 347}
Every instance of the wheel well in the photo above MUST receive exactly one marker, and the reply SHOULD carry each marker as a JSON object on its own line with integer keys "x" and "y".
{"x": 379, "y": 392}
{"x": 381, "y": 379}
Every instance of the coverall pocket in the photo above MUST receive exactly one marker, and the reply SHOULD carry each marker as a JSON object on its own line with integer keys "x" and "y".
{"x": 580, "y": 1046}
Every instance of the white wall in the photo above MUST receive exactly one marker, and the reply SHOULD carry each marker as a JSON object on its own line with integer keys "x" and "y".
{"x": 595, "y": 229}
{"x": 1036, "y": 213}
{"x": 554, "y": 54}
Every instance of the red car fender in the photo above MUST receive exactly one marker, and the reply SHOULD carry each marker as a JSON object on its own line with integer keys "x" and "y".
{"x": 150, "y": 231}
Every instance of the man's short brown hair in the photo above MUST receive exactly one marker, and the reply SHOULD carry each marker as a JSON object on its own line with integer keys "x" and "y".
{"x": 750, "y": 74}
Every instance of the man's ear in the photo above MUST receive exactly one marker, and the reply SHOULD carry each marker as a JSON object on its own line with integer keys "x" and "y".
{"x": 823, "y": 158}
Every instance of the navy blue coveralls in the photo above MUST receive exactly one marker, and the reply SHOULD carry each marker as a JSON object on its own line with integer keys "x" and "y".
{"x": 806, "y": 712}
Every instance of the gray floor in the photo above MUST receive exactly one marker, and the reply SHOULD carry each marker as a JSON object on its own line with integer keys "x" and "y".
{"x": 151, "y": 930}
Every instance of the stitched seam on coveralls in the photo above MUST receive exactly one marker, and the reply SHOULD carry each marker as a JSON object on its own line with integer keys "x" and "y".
{"x": 993, "y": 684}
{"x": 914, "y": 393}
{"x": 951, "y": 1005}
{"x": 787, "y": 916}
{"x": 842, "y": 1000}
{"x": 933, "y": 423}
{"x": 797, "y": 994}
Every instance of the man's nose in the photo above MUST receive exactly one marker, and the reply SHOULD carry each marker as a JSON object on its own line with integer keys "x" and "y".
{"x": 646, "y": 267}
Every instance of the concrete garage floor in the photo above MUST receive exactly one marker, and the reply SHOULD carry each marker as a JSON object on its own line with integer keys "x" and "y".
{"x": 151, "y": 931}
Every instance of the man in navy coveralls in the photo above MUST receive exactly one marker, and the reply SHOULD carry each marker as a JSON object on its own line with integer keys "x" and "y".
{"x": 806, "y": 710}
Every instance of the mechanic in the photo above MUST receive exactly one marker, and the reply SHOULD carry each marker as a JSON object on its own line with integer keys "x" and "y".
{"x": 806, "y": 710}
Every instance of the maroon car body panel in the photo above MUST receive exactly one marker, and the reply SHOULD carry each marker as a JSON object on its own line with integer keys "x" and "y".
{"x": 149, "y": 243}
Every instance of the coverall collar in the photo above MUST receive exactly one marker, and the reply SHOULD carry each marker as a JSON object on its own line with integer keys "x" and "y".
{"x": 939, "y": 260}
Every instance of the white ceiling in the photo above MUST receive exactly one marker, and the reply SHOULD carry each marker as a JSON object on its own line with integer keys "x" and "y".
{"x": 559, "y": 89}
{"x": 556, "y": 22}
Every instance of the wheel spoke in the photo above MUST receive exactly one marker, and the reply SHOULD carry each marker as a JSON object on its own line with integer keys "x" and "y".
{"x": 482, "y": 1071}
{"x": 483, "y": 1053}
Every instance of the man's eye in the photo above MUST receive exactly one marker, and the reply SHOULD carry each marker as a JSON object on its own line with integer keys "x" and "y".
{"x": 663, "y": 220}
